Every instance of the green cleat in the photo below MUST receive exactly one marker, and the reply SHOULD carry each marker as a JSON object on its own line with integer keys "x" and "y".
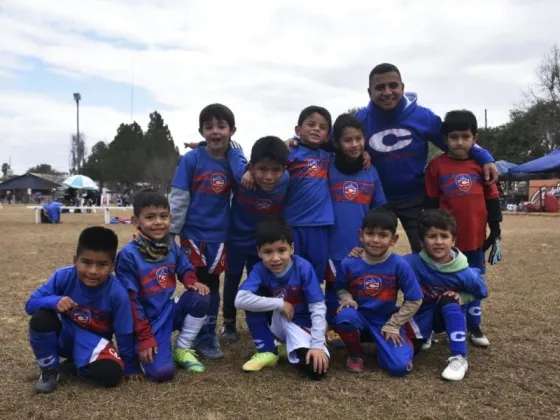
{"x": 260, "y": 361}
{"x": 282, "y": 351}
{"x": 186, "y": 358}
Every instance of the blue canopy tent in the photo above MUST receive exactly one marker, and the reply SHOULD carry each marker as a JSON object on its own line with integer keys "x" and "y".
{"x": 504, "y": 167}
{"x": 547, "y": 163}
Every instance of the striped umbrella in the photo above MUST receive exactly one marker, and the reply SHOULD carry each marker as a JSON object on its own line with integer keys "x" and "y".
{"x": 80, "y": 182}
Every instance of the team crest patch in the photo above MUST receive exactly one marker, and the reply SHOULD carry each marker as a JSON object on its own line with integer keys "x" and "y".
{"x": 218, "y": 182}
{"x": 281, "y": 294}
{"x": 312, "y": 166}
{"x": 463, "y": 182}
{"x": 81, "y": 315}
{"x": 162, "y": 276}
{"x": 263, "y": 205}
{"x": 372, "y": 285}
{"x": 350, "y": 190}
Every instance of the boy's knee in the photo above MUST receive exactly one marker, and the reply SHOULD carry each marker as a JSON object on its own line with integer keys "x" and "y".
{"x": 107, "y": 373}
{"x": 45, "y": 320}
{"x": 446, "y": 300}
{"x": 400, "y": 369}
{"x": 346, "y": 320}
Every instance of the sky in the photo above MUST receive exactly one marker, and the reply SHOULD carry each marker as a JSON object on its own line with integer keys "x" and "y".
{"x": 266, "y": 61}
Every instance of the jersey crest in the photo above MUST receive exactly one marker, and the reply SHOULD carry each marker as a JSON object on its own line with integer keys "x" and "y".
{"x": 463, "y": 182}
{"x": 372, "y": 285}
{"x": 312, "y": 166}
{"x": 217, "y": 182}
{"x": 350, "y": 190}
{"x": 263, "y": 205}
{"x": 162, "y": 276}
{"x": 81, "y": 316}
{"x": 281, "y": 294}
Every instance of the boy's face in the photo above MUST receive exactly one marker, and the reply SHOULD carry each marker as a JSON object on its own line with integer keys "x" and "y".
{"x": 276, "y": 256}
{"x": 314, "y": 130}
{"x": 94, "y": 267}
{"x": 267, "y": 173}
{"x": 438, "y": 243}
{"x": 352, "y": 142}
{"x": 459, "y": 143}
{"x": 217, "y": 134}
{"x": 386, "y": 90}
{"x": 377, "y": 241}
{"x": 154, "y": 222}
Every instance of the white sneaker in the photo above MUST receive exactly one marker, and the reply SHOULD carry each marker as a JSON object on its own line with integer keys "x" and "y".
{"x": 456, "y": 369}
{"x": 478, "y": 338}
{"x": 428, "y": 343}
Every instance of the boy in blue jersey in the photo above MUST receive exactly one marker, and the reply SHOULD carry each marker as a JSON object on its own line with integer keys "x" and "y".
{"x": 75, "y": 313}
{"x": 200, "y": 209}
{"x": 446, "y": 280}
{"x": 148, "y": 267}
{"x": 397, "y": 132}
{"x": 267, "y": 166}
{"x": 354, "y": 190}
{"x": 286, "y": 286}
{"x": 368, "y": 288}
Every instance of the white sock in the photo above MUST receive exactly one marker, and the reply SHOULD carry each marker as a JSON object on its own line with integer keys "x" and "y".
{"x": 191, "y": 327}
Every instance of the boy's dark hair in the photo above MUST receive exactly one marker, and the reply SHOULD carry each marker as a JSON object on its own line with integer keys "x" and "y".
{"x": 439, "y": 219}
{"x": 271, "y": 229}
{"x": 98, "y": 238}
{"x": 382, "y": 69}
{"x": 459, "y": 120}
{"x": 147, "y": 198}
{"x": 314, "y": 109}
{"x": 380, "y": 219}
{"x": 270, "y": 147}
{"x": 344, "y": 121}
{"x": 218, "y": 111}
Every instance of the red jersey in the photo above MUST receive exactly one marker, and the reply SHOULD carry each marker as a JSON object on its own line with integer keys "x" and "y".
{"x": 459, "y": 186}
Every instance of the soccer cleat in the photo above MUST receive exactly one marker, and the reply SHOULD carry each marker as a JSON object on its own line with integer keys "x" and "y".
{"x": 456, "y": 369}
{"x": 429, "y": 342}
{"x": 229, "y": 333}
{"x": 333, "y": 339}
{"x": 48, "y": 381}
{"x": 477, "y": 337}
{"x": 282, "y": 351}
{"x": 259, "y": 361}
{"x": 355, "y": 364}
{"x": 209, "y": 347}
{"x": 186, "y": 358}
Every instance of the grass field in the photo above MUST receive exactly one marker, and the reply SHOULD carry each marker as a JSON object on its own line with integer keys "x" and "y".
{"x": 518, "y": 377}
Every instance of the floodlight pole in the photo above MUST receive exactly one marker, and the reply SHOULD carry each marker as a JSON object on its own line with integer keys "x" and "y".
{"x": 77, "y": 98}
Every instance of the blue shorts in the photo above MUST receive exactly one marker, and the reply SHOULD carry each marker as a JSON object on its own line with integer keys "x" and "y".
{"x": 202, "y": 254}
{"x": 312, "y": 244}
{"x": 477, "y": 259}
{"x": 239, "y": 257}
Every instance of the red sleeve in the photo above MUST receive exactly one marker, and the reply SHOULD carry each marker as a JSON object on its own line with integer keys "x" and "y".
{"x": 189, "y": 279}
{"x": 491, "y": 192}
{"x": 142, "y": 327}
{"x": 432, "y": 179}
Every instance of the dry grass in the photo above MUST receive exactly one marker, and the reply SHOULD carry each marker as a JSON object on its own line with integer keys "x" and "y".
{"x": 516, "y": 378}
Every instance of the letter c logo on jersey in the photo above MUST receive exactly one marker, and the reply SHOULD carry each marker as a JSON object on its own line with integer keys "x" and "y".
{"x": 312, "y": 166}
{"x": 372, "y": 285}
{"x": 217, "y": 182}
{"x": 463, "y": 182}
{"x": 390, "y": 140}
{"x": 350, "y": 190}
{"x": 162, "y": 276}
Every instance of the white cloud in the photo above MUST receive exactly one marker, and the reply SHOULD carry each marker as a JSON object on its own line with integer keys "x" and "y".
{"x": 265, "y": 61}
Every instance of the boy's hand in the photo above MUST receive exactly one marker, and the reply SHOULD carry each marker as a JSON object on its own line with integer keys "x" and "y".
{"x": 490, "y": 173}
{"x": 192, "y": 144}
{"x": 356, "y": 252}
{"x": 347, "y": 304}
{"x": 320, "y": 360}
{"x": 136, "y": 377}
{"x": 394, "y": 337}
{"x": 367, "y": 159}
{"x": 291, "y": 143}
{"x": 146, "y": 356}
{"x": 454, "y": 295}
{"x": 288, "y": 310}
{"x": 247, "y": 181}
{"x": 65, "y": 304}
{"x": 201, "y": 288}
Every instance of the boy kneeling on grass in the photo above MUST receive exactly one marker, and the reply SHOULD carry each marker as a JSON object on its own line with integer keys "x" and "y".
{"x": 75, "y": 313}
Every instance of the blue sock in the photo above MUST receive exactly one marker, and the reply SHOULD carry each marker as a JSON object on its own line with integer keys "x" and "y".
{"x": 258, "y": 326}
{"x": 456, "y": 328}
{"x": 209, "y": 327}
{"x": 45, "y": 348}
{"x": 474, "y": 314}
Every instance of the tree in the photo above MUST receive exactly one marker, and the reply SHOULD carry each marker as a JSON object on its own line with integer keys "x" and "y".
{"x": 161, "y": 153}
{"x": 355, "y": 110}
{"x": 95, "y": 166}
{"x": 43, "y": 168}
{"x": 78, "y": 153}
{"x": 125, "y": 159}
{"x": 5, "y": 169}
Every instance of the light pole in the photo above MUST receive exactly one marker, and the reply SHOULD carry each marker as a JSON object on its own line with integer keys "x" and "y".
{"x": 77, "y": 98}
